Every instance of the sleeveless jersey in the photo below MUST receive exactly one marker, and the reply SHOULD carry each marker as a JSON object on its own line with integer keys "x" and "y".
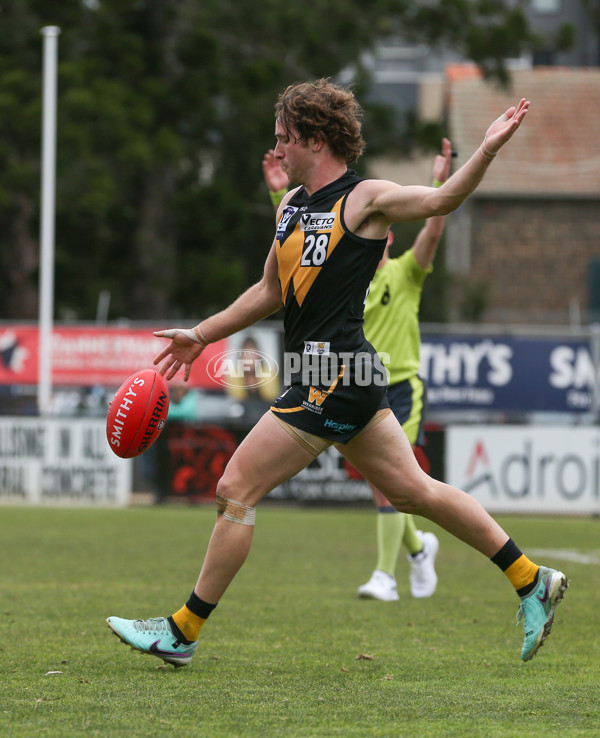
{"x": 324, "y": 271}
{"x": 337, "y": 383}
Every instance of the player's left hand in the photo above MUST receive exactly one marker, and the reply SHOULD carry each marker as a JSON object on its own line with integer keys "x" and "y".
{"x": 503, "y": 127}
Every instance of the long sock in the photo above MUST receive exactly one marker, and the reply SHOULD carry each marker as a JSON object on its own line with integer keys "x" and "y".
{"x": 188, "y": 621}
{"x": 411, "y": 540}
{"x": 518, "y": 568}
{"x": 390, "y": 529}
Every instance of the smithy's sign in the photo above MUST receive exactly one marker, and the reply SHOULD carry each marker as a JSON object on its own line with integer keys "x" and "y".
{"x": 508, "y": 374}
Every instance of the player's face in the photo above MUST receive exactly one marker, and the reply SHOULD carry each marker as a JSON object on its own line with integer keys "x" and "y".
{"x": 291, "y": 152}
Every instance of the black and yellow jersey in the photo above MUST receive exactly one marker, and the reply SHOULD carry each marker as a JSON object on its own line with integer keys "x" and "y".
{"x": 324, "y": 271}
{"x": 336, "y": 381}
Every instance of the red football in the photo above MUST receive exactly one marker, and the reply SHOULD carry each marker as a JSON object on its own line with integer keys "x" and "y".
{"x": 137, "y": 413}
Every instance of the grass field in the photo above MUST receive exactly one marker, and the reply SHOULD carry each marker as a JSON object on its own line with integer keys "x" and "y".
{"x": 290, "y": 651}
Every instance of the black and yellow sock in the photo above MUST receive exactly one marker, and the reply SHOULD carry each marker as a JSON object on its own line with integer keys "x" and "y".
{"x": 518, "y": 568}
{"x": 187, "y": 622}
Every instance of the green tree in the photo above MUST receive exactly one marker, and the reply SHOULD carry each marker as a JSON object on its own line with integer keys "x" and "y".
{"x": 20, "y": 119}
{"x": 165, "y": 110}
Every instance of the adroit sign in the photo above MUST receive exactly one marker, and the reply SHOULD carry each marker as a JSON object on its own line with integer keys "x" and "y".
{"x": 526, "y": 469}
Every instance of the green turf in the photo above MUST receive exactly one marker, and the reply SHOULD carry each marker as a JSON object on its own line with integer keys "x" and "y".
{"x": 280, "y": 656}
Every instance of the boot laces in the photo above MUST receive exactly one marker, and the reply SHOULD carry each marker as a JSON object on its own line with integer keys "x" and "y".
{"x": 152, "y": 625}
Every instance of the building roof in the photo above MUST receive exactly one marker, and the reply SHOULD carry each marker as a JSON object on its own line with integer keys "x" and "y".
{"x": 557, "y": 149}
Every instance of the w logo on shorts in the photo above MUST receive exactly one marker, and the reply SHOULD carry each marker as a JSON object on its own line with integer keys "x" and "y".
{"x": 317, "y": 396}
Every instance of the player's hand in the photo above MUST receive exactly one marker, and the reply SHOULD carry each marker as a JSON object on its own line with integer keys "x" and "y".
{"x": 503, "y": 127}
{"x": 183, "y": 350}
{"x": 274, "y": 175}
{"x": 441, "y": 164}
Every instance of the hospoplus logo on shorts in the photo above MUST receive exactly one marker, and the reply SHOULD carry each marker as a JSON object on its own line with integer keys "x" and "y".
{"x": 244, "y": 367}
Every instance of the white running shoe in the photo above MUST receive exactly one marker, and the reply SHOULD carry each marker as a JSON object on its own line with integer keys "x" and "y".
{"x": 423, "y": 579}
{"x": 381, "y": 586}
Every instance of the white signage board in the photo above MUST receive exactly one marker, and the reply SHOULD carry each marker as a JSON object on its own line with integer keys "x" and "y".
{"x": 60, "y": 461}
{"x": 526, "y": 469}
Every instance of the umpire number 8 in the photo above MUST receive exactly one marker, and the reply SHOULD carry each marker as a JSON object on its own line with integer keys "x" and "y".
{"x": 314, "y": 252}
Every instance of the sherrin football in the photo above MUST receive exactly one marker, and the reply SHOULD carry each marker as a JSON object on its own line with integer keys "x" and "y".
{"x": 137, "y": 413}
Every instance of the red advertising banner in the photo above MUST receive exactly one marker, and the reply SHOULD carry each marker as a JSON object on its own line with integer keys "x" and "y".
{"x": 91, "y": 355}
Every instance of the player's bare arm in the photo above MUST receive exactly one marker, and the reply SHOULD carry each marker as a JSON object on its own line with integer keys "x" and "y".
{"x": 376, "y": 204}
{"x": 256, "y": 303}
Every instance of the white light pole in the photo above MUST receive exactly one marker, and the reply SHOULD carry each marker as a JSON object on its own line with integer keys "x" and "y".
{"x": 47, "y": 217}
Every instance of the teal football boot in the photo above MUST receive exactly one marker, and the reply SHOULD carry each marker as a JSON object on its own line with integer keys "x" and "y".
{"x": 538, "y": 607}
{"x": 153, "y": 636}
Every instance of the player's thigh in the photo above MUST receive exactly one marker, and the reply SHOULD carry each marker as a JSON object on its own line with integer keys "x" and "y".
{"x": 384, "y": 456}
{"x": 266, "y": 457}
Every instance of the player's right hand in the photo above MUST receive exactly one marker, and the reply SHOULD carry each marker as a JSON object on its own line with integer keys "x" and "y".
{"x": 184, "y": 349}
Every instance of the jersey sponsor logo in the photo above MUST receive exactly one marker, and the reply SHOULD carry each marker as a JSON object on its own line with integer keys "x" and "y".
{"x": 317, "y": 221}
{"x": 286, "y": 216}
{"x": 321, "y": 348}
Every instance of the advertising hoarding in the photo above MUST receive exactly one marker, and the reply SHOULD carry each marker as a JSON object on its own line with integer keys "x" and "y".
{"x": 508, "y": 373}
{"x": 50, "y": 461}
{"x": 526, "y": 469}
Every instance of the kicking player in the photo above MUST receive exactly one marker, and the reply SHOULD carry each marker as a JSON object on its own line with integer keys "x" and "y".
{"x": 391, "y": 324}
{"x": 330, "y": 236}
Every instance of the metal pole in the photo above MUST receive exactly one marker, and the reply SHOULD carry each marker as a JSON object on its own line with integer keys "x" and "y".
{"x": 103, "y": 306}
{"x": 47, "y": 217}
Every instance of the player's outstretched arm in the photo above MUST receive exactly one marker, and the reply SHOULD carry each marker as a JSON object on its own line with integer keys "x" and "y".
{"x": 463, "y": 182}
{"x": 258, "y": 302}
{"x": 397, "y": 204}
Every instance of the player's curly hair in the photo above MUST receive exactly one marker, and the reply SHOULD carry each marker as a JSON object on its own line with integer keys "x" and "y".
{"x": 322, "y": 108}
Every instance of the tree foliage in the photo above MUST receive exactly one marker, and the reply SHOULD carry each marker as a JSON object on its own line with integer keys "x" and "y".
{"x": 165, "y": 110}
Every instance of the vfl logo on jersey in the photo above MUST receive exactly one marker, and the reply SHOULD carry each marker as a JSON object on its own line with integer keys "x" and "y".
{"x": 316, "y": 347}
{"x": 317, "y": 221}
{"x": 286, "y": 215}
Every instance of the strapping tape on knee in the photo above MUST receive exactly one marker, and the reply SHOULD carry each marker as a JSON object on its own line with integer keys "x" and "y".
{"x": 235, "y": 512}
